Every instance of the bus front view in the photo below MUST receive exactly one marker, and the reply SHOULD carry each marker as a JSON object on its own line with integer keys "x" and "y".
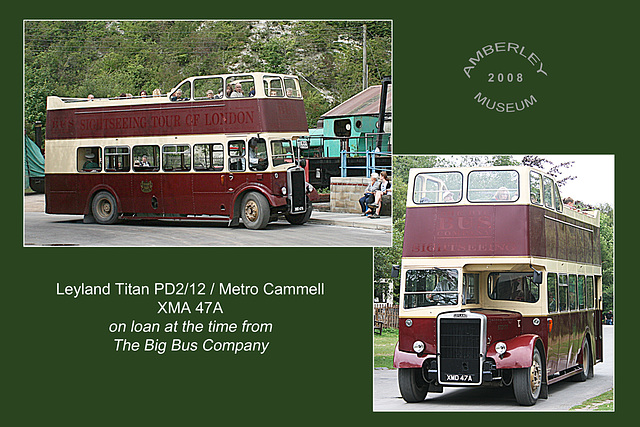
{"x": 490, "y": 291}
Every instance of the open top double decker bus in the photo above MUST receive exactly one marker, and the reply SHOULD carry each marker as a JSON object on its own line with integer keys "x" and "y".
{"x": 215, "y": 147}
{"x": 500, "y": 283}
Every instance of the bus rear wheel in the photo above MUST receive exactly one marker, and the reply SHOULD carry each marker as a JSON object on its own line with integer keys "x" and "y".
{"x": 413, "y": 387}
{"x": 104, "y": 208}
{"x": 586, "y": 364}
{"x": 527, "y": 382}
{"x": 255, "y": 211}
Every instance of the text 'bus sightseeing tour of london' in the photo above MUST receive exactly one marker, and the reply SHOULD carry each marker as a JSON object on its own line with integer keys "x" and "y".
{"x": 215, "y": 148}
{"x": 500, "y": 284}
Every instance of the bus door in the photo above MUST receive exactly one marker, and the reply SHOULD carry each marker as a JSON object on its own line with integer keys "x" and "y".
{"x": 237, "y": 167}
{"x": 553, "y": 337}
{"x": 210, "y": 195}
{"x": 562, "y": 329}
{"x": 146, "y": 182}
{"x": 598, "y": 318}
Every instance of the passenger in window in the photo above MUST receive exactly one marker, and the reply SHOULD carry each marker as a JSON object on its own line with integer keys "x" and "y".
{"x": 90, "y": 163}
{"x": 143, "y": 94}
{"x": 255, "y": 161}
{"x": 237, "y": 93}
{"x": 90, "y": 97}
{"x": 568, "y": 201}
{"x": 157, "y": 92}
{"x": 289, "y": 92}
{"x": 252, "y": 91}
{"x": 502, "y": 194}
{"x": 229, "y": 90}
{"x": 210, "y": 94}
{"x": 177, "y": 96}
{"x": 145, "y": 162}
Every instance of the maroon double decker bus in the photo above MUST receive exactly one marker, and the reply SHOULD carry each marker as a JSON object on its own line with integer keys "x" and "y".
{"x": 500, "y": 283}
{"x": 215, "y": 147}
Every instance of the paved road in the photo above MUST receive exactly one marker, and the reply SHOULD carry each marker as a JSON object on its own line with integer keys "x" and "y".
{"x": 562, "y": 395}
{"x": 324, "y": 229}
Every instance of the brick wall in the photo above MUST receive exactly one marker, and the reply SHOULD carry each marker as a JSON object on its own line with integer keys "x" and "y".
{"x": 345, "y": 193}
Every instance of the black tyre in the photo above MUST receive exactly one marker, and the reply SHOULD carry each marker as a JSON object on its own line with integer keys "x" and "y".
{"x": 413, "y": 387}
{"x": 586, "y": 364}
{"x": 299, "y": 219}
{"x": 255, "y": 211}
{"x": 527, "y": 382}
{"x": 104, "y": 208}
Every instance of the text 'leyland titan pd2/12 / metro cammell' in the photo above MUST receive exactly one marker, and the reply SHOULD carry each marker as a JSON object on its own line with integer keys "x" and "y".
{"x": 214, "y": 148}
{"x": 500, "y": 283}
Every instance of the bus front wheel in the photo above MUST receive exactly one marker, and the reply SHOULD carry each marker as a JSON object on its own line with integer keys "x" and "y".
{"x": 527, "y": 382}
{"x": 413, "y": 387}
{"x": 299, "y": 219}
{"x": 255, "y": 211}
{"x": 104, "y": 208}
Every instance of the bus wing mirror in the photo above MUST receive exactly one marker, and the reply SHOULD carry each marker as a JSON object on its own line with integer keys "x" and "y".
{"x": 395, "y": 271}
{"x": 537, "y": 277}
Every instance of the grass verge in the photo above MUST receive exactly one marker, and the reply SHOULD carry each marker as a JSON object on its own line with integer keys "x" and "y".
{"x": 383, "y": 346}
{"x": 604, "y": 402}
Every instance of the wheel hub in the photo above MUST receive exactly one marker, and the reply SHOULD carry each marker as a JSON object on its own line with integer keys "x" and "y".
{"x": 251, "y": 211}
{"x": 536, "y": 376}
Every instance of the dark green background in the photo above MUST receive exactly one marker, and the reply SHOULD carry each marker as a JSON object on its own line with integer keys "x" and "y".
{"x": 59, "y": 364}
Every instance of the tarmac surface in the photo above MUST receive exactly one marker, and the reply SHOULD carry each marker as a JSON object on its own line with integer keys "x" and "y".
{"x": 323, "y": 229}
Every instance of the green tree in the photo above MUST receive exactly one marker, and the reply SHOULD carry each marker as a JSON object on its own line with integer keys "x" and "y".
{"x": 606, "y": 253}
{"x": 106, "y": 58}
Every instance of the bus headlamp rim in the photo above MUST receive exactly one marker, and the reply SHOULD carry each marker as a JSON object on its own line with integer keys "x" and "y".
{"x": 418, "y": 346}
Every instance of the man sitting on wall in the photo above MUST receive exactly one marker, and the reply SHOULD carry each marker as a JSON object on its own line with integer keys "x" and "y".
{"x": 369, "y": 195}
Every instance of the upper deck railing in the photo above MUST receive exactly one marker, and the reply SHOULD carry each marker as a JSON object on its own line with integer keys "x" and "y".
{"x": 495, "y": 211}
{"x": 217, "y": 104}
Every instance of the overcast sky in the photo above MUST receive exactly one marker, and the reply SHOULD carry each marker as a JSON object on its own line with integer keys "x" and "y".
{"x": 595, "y": 177}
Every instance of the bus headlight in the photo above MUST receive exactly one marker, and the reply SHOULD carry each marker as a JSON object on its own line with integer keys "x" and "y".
{"x": 418, "y": 346}
{"x": 284, "y": 191}
{"x": 501, "y": 348}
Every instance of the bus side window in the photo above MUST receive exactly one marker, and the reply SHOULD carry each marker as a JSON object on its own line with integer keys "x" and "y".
{"x": 117, "y": 159}
{"x": 237, "y": 159}
{"x": 572, "y": 292}
{"x": 89, "y": 159}
{"x": 176, "y": 158}
{"x": 470, "y": 288}
{"x": 548, "y": 192}
{"x": 273, "y": 86}
{"x": 146, "y": 158}
{"x": 581, "y": 304}
{"x": 590, "y": 293}
{"x": 291, "y": 88}
{"x": 557, "y": 198}
{"x": 535, "y": 183}
{"x": 208, "y": 157}
{"x": 208, "y": 88}
{"x": 562, "y": 293}
{"x": 552, "y": 292}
